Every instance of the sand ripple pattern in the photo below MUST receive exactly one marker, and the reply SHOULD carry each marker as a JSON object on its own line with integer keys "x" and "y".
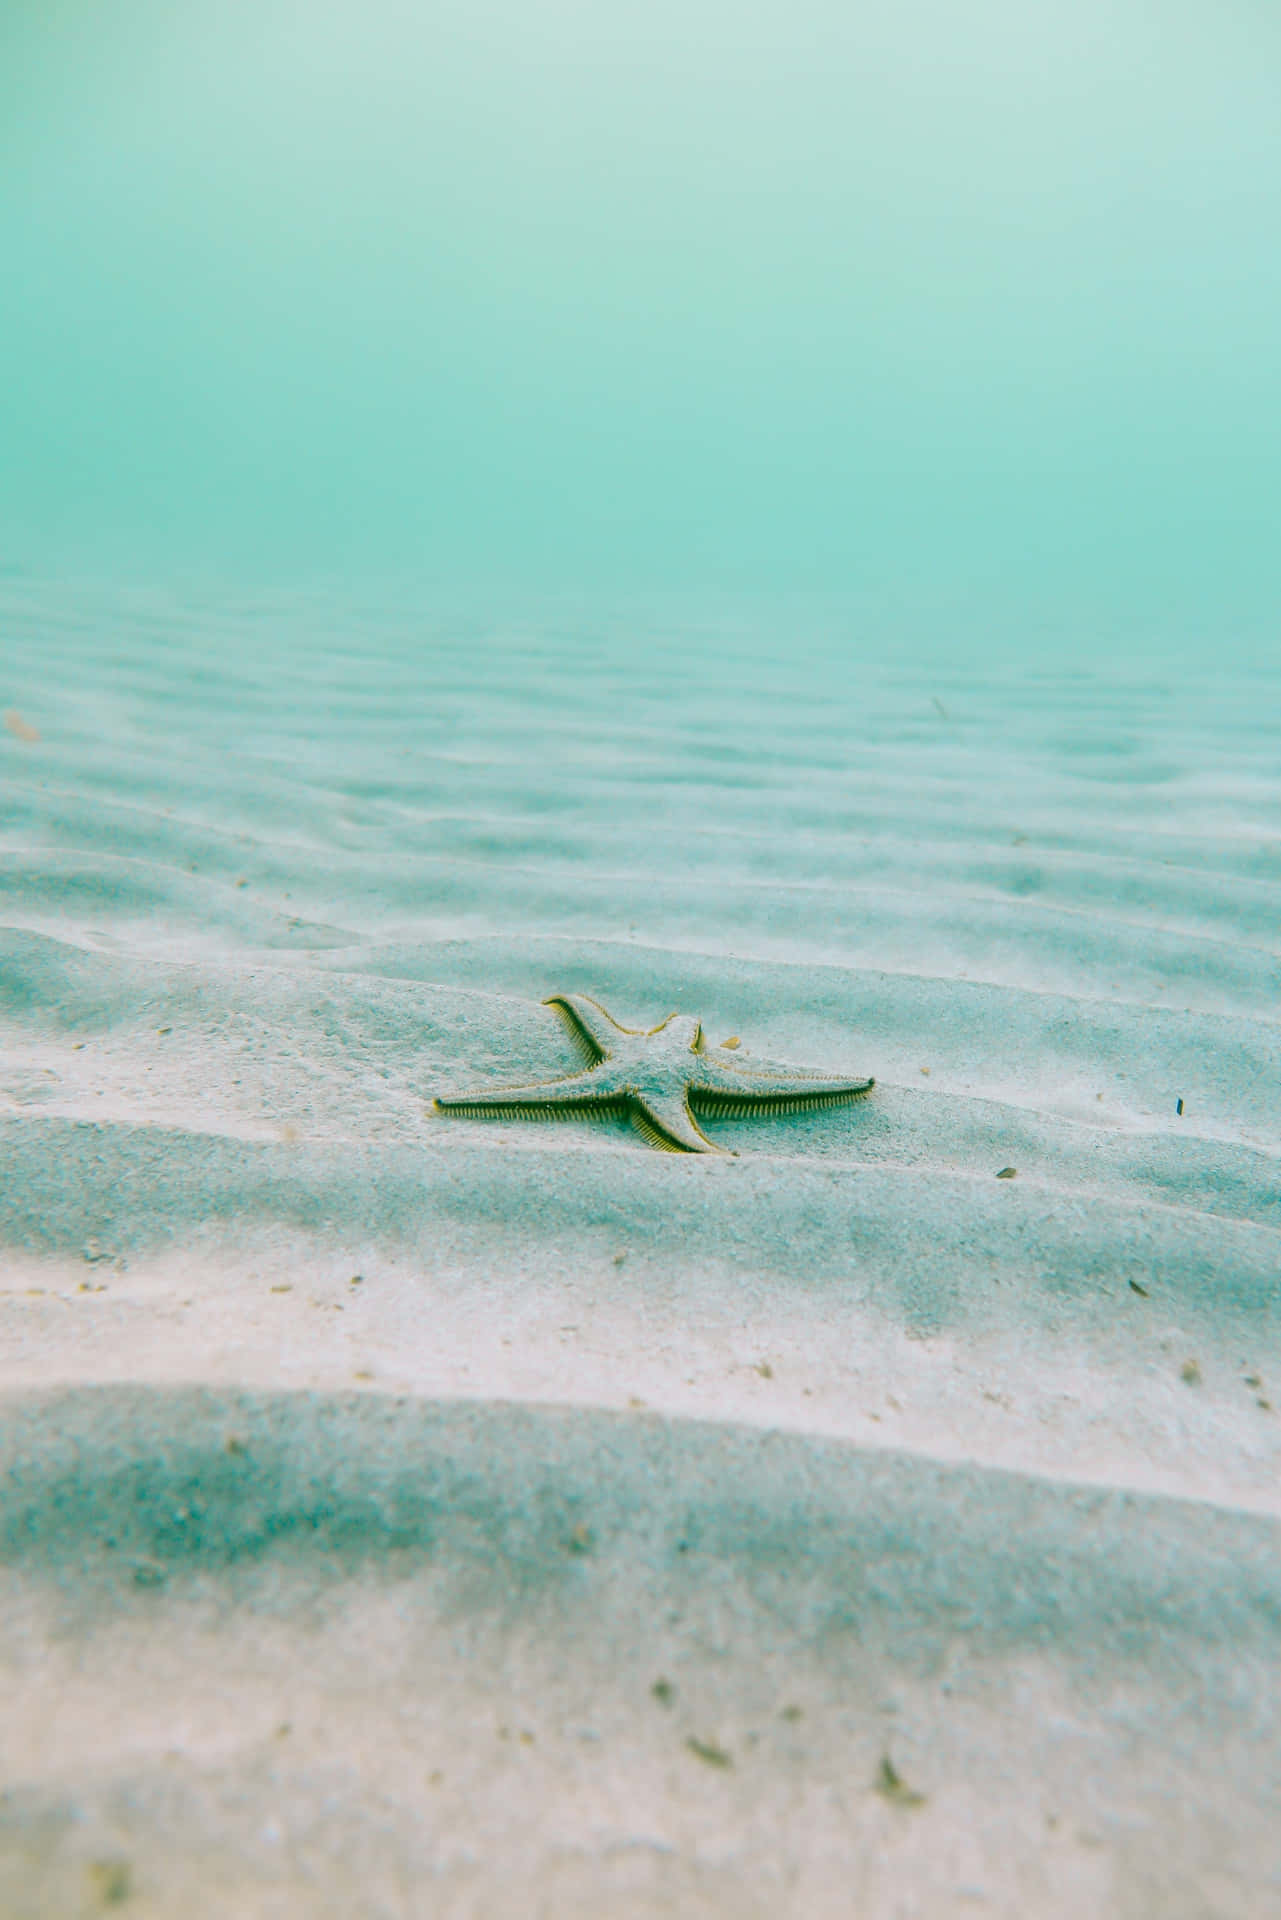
{"x": 271, "y": 874}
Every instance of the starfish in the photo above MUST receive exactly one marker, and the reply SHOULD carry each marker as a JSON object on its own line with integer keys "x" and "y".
{"x": 655, "y": 1077}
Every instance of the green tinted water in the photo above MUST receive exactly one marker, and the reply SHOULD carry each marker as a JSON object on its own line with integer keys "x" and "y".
{"x": 970, "y": 313}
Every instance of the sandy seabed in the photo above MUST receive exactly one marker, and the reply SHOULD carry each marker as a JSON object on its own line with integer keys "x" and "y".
{"x": 408, "y": 1516}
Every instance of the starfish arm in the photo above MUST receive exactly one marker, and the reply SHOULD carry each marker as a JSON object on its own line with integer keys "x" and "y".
{"x": 592, "y": 1028}
{"x": 666, "y": 1121}
{"x": 745, "y": 1090}
{"x": 581, "y": 1093}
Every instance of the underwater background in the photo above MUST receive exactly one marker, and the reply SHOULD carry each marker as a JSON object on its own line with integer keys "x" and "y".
{"x": 769, "y": 514}
{"x": 964, "y": 318}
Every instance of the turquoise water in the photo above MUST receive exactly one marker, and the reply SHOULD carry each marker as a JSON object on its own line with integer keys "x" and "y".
{"x": 967, "y": 313}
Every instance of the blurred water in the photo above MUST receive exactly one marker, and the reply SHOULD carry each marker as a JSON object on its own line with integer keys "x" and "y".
{"x": 964, "y": 316}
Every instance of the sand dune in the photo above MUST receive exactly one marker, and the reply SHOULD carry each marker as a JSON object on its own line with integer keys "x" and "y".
{"x": 421, "y": 1436}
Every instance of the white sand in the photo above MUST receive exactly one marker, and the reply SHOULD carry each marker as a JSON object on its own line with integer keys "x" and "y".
{"x": 863, "y": 1452}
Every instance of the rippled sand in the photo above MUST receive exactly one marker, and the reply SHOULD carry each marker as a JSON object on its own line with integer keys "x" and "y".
{"x": 410, "y": 1516}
